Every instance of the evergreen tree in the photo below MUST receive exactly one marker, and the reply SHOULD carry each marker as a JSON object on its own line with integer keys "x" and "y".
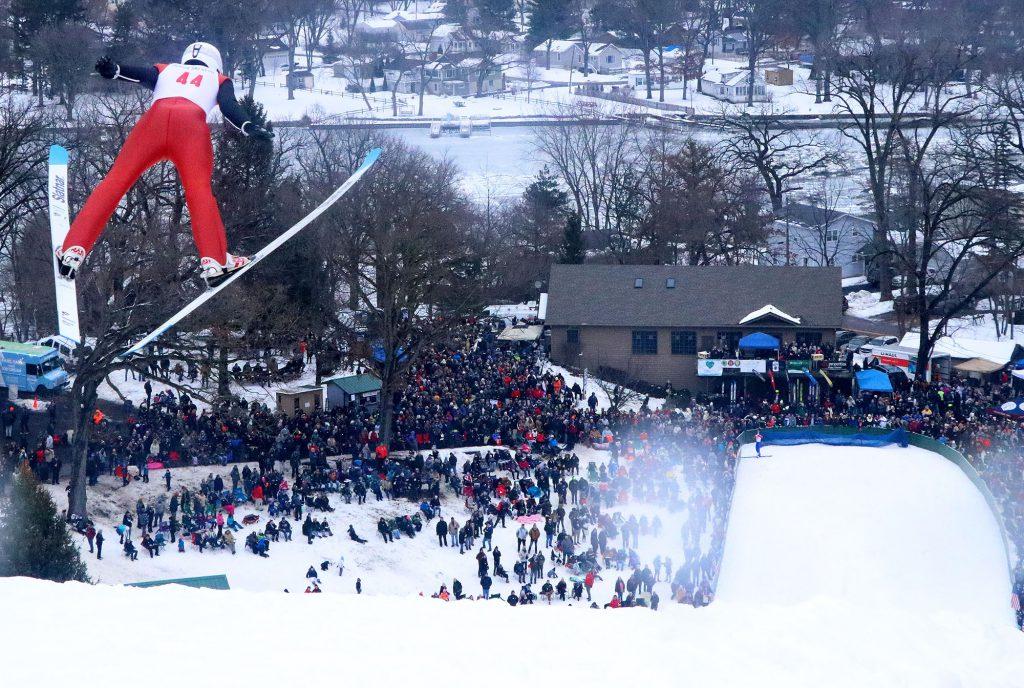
{"x": 34, "y": 540}
{"x": 544, "y": 193}
{"x": 549, "y": 21}
{"x": 573, "y": 251}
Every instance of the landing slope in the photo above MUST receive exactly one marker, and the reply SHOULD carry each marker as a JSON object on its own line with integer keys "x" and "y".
{"x": 897, "y": 528}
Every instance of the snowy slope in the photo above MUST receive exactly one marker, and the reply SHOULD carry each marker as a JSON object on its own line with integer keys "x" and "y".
{"x": 886, "y": 528}
{"x": 894, "y": 608}
{"x": 173, "y": 637}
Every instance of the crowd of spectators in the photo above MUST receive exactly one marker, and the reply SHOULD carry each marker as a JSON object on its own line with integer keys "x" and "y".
{"x": 477, "y": 392}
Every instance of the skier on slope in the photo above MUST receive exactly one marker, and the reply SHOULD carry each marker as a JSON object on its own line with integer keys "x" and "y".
{"x": 173, "y": 128}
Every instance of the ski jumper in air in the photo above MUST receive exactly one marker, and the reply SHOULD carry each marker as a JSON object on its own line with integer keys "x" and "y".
{"x": 173, "y": 128}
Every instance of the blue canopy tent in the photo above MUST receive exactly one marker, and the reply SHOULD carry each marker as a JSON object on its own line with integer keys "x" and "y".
{"x": 874, "y": 381}
{"x": 760, "y": 341}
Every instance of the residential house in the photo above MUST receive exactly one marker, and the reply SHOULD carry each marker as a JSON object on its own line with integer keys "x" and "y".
{"x": 822, "y": 236}
{"x": 606, "y": 58}
{"x": 564, "y": 54}
{"x": 451, "y": 39}
{"x": 650, "y": 322}
{"x": 731, "y": 42}
{"x": 274, "y": 52}
{"x": 734, "y": 87}
{"x": 456, "y": 75}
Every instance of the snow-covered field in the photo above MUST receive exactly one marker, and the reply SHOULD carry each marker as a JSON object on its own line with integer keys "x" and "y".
{"x": 843, "y": 567}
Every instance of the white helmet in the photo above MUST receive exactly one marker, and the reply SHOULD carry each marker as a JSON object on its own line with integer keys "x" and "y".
{"x": 205, "y": 53}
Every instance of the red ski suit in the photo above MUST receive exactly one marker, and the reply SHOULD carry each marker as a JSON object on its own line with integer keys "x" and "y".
{"x": 173, "y": 128}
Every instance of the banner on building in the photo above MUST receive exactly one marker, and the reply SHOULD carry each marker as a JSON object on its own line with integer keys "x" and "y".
{"x": 710, "y": 367}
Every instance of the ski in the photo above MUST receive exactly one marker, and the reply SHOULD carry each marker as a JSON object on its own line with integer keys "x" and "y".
{"x": 191, "y": 307}
{"x": 67, "y": 295}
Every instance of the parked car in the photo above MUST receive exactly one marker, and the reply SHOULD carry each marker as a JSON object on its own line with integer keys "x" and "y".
{"x": 843, "y": 336}
{"x": 871, "y": 344}
{"x": 854, "y": 343}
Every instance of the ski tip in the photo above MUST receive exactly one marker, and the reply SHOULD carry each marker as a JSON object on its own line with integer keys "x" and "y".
{"x": 58, "y": 155}
{"x": 371, "y": 157}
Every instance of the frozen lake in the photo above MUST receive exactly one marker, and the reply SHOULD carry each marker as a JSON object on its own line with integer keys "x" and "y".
{"x": 501, "y": 163}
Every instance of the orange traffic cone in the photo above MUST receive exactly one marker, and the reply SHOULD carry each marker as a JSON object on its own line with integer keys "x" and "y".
{"x": 35, "y": 402}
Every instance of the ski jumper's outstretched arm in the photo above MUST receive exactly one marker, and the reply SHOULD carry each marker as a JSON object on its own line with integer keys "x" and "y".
{"x": 144, "y": 76}
{"x": 147, "y": 76}
{"x": 235, "y": 114}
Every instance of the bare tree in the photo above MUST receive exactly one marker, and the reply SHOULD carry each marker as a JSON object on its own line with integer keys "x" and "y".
{"x": 316, "y": 25}
{"x": 824, "y": 236}
{"x": 593, "y": 161}
{"x": 881, "y": 87}
{"x": 768, "y": 144}
{"x": 410, "y": 229}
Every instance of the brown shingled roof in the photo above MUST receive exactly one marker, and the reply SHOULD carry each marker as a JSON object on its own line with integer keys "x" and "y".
{"x": 704, "y": 296}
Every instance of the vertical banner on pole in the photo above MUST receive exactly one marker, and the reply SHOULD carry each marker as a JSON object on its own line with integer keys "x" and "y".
{"x": 67, "y": 296}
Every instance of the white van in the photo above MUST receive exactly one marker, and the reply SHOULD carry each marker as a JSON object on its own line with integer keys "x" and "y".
{"x": 65, "y": 346}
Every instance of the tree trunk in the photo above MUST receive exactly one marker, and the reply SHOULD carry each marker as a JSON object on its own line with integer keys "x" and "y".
{"x": 84, "y": 398}
{"x": 752, "y": 78}
{"x": 223, "y": 389}
{"x": 661, "y": 74}
{"x": 647, "y": 73}
{"x": 924, "y": 347}
{"x": 387, "y": 412}
{"x": 291, "y": 68}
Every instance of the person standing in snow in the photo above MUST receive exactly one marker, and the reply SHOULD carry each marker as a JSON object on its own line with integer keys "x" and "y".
{"x": 359, "y": 586}
{"x": 99, "y": 544}
{"x": 521, "y": 538}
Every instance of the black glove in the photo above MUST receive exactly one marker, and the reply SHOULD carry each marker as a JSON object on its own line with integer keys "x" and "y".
{"x": 255, "y": 131}
{"x": 106, "y": 67}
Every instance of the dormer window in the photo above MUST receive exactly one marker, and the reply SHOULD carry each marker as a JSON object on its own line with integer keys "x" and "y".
{"x": 638, "y": 283}
{"x": 670, "y": 283}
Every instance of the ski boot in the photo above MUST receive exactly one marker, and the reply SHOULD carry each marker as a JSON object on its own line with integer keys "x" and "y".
{"x": 68, "y": 261}
{"x": 214, "y": 273}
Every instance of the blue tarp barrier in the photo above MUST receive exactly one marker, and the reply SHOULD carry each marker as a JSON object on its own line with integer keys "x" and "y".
{"x": 1013, "y": 408}
{"x": 759, "y": 340}
{"x": 789, "y": 437}
{"x": 873, "y": 381}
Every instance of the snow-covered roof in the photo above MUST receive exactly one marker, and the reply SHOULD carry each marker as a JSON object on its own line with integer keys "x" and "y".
{"x": 558, "y": 46}
{"x": 769, "y": 310}
{"x": 962, "y": 347}
{"x": 378, "y": 23}
{"x": 738, "y": 78}
{"x": 445, "y": 30}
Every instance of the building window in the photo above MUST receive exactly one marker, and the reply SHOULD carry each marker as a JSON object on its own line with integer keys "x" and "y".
{"x": 638, "y": 283}
{"x": 670, "y": 283}
{"x": 645, "y": 342}
{"x": 729, "y": 340}
{"x": 572, "y": 336}
{"x": 707, "y": 342}
{"x": 808, "y": 338}
{"x": 832, "y": 235}
{"x": 684, "y": 343}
